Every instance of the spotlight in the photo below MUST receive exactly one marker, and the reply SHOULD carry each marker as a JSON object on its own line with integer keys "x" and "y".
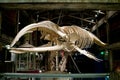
{"x": 7, "y": 46}
{"x": 96, "y": 15}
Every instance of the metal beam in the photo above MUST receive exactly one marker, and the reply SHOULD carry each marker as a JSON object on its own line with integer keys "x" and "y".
{"x": 81, "y": 19}
{"x": 36, "y": 1}
{"x": 114, "y": 46}
{"x": 100, "y": 22}
{"x": 70, "y": 6}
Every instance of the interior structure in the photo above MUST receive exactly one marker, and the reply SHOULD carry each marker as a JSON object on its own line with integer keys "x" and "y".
{"x": 100, "y": 18}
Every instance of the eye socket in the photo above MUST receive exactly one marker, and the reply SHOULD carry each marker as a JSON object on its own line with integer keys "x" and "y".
{"x": 76, "y": 42}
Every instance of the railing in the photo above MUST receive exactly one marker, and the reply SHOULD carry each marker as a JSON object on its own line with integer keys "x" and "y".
{"x": 46, "y": 75}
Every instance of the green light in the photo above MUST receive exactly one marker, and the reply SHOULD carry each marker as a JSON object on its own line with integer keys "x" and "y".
{"x": 102, "y": 53}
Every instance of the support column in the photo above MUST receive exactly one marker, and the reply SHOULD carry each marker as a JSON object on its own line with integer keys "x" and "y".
{"x": 57, "y": 68}
{"x": 110, "y": 61}
{"x": 110, "y": 58}
{"x": 0, "y": 21}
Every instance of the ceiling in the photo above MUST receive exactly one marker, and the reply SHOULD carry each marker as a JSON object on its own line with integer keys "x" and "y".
{"x": 93, "y": 17}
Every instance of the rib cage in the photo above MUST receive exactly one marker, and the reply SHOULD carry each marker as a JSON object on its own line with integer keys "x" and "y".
{"x": 84, "y": 37}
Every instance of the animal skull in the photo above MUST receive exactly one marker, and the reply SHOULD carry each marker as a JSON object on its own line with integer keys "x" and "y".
{"x": 68, "y": 38}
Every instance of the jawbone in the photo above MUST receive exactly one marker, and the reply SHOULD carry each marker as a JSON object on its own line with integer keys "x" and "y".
{"x": 36, "y": 49}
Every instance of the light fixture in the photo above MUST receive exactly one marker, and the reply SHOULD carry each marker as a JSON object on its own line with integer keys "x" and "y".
{"x": 99, "y": 12}
{"x": 96, "y": 15}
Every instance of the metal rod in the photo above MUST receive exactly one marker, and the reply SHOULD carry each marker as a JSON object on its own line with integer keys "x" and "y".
{"x": 75, "y": 64}
{"x": 81, "y": 19}
{"x": 58, "y": 22}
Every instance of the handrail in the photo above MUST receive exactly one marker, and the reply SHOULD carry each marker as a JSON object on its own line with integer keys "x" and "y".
{"x": 44, "y": 75}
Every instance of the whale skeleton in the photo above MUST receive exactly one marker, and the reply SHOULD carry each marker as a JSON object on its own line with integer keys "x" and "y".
{"x": 67, "y": 38}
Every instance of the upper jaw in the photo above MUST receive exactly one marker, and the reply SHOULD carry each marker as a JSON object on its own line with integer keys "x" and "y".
{"x": 46, "y": 26}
